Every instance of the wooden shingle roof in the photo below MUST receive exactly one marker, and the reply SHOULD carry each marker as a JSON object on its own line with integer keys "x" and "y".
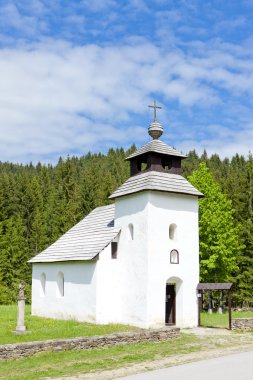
{"x": 152, "y": 180}
{"x": 215, "y": 286}
{"x": 85, "y": 240}
{"x": 156, "y": 146}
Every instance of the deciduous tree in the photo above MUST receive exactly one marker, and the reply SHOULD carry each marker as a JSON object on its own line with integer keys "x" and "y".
{"x": 219, "y": 240}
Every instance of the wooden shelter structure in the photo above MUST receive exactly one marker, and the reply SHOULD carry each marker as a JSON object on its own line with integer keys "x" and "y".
{"x": 215, "y": 286}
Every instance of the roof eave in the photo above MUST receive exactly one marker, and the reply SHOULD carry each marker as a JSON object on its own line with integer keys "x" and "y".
{"x": 200, "y": 195}
{"x": 215, "y": 286}
{"x": 95, "y": 258}
{"x": 132, "y": 156}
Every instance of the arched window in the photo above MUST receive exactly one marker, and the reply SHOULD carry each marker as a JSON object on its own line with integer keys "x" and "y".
{"x": 60, "y": 285}
{"x": 130, "y": 232}
{"x": 173, "y": 231}
{"x": 174, "y": 257}
{"x": 42, "y": 285}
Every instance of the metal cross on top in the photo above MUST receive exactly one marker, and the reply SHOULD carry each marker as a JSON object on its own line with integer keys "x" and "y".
{"x": 155, "y": 107}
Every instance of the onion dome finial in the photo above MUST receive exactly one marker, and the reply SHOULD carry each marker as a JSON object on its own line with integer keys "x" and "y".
{"x": 155, "y": 129}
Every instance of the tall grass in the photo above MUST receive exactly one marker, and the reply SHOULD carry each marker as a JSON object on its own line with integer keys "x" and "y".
{"x": 47, "y": 328}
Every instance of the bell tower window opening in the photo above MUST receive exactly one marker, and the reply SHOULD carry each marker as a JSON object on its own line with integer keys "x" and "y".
{"x": 166, "y": 163}
{"x": 144, "y": 166}
{"x": 140, "y": 165}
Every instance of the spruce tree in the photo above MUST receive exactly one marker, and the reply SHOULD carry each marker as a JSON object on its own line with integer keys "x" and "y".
{"x": 14, "y": 255}
{"x": 39, "y": 203}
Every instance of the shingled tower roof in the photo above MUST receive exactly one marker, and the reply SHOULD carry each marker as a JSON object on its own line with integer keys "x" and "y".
{"x": 156, "y": 166}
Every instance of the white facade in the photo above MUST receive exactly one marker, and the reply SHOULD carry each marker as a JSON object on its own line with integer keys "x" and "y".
{"x": 130, "y": 289}
{"x": 78, "y": 300}
{"x": 147, "y": 257}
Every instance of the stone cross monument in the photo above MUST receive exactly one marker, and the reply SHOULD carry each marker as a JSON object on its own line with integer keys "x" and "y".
{"x": 20, "y": 328}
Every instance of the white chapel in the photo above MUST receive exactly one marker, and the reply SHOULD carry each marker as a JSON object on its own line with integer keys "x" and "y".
{"x": 135, "y": 261}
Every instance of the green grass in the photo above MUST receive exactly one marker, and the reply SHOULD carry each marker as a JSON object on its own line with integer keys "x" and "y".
{"x": 65, "y": 363}
{"x": 46, "y": 328}
{"x": 221, "y": 320}
{"x": 56, "y": 364}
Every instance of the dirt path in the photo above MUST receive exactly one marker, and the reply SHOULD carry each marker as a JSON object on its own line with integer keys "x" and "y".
{"x": 220, "y": 342}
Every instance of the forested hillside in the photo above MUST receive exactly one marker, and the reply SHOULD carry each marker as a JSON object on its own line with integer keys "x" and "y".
{"x": 39, "y": 203}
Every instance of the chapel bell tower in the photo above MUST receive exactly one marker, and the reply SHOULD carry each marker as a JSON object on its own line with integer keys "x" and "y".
{"x": 155, "y": 156}
{"x": 157, "y": 212}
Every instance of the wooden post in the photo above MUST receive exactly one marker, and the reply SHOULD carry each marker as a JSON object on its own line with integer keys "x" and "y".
{"x": 199, "y": 295}
{"x": 210, "y": 302}
{"x": 230, "y": 309}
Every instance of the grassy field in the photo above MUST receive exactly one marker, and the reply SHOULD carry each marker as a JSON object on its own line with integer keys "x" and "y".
{"x": 221, "y": 320}
{"x": 55, "y": 364}
{"x": 46, "y": 328}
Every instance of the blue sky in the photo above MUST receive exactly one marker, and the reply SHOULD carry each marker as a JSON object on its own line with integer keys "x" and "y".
{"x": 77, "y": 76}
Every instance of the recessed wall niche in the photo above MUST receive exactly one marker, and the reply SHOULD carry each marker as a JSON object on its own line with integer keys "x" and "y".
{"x": 173, "y": 231}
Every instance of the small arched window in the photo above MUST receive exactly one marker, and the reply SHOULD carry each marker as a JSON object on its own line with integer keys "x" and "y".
{"x": 130, "y": 232}
{"x": 42, "y": 285}
{"x": 174, "y": 257}
{"x": 173, "y": 231}
{"x": 60, "y": 285}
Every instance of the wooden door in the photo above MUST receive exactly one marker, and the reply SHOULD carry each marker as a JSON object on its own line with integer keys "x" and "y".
{"x": 170, "y": 307}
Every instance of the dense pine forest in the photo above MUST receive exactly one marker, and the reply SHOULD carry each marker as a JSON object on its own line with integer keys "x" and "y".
{"x": 39, "y": 203}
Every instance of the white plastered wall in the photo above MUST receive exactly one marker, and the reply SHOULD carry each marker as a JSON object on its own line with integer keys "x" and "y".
{"x": 122, "y": 282}
{"x": 182, "y": 210}
{"x": 136, "y": 281}
{"x": 108, "y": 288}
{"x": 79, "y": 299}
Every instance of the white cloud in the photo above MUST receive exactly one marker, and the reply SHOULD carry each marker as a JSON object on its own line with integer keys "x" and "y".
{"x": 56, "y": 97}
{"x": 11, "y": 17}
{"x": 230, "y": 24}
{"x": 226, "y": 142}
